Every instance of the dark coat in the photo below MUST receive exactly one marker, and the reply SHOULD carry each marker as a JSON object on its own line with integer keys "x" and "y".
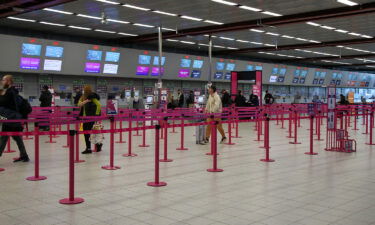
{"x": 240, "y": 101}
{"x": 225, "y": 100}
{"x": 8, "y": 100}
{"x": 45, "y": 99}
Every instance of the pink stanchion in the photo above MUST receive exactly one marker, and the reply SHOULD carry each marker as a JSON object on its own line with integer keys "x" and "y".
{"x": 71, "y": 199}
{"x": 9, "y": 148}
{"x": 165, "y": 155}
{"x": 130, "y": 154}
{"x": 77, "y": 160}
{"x": 267, "y": 141}
{"x": 318, "y": 127}
{"x": 366, "y": 121}
{"x": 27, "y": 130}
{"x": 36, "y": 176}
{"x": 144, "y": 145}
{"x": 120, "y": 134}
{"x": 181, "y": 148}
{"x": 157, "y": 182}
{"x": 67, "y": 137}
{"x": 173, "y": 128}
{"x": 214, "y": 148}
{"x": 290, "y": 124}
{"x": 295, "y": 142}
{"x": 111, "y": 165}
{"x": 282, "y": 120}
{"x": 355, "y": 119}
{"x": 137, "y": 134}
{"x": 371, "y": 128}
{"x": 311, "y": 152}
{"x": 230, "y": 133}
{"x": 258, "y": 126}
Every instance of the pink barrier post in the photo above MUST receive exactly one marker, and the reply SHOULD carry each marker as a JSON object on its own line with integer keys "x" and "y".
{"x": 67, "y": 137}
{"x": 311, "y": 137}
{"x": 165, "y": 159}
{"x": 173, "y": 128}
{"x": 130, "y": 154}
{"x": 371, "y": 127}
{"x": 259, "y": 127}
{"x": 366, "y": 121}
{"x": 77, "y": 160}
{"x": 157, "y": 183}
{"x": 52, "y": 128}
{"x": 9, "y": 150}
{"x": 27, "y": 130}
{"x": 120, "y": 134}
{"x": 295, "y": 142}
{"x": 290, "y": 124}
{"x": 2, "y": 169}
{"x": 72, "y": 199}
{"x": 355, "y": 119}
{"x": 182, "y": 134}
{"x": 111, "y": 165}
{"x": 267, "y": 140}
{"x": 230, "y": 132}
{"x": 36, "y": 176}
{"x": 318, "y": 127}
{"x": 137, "y": 123}
{"x": 282, "y": 120}
{"x": 144, "y": 145}
{"x": 214, "y": 148}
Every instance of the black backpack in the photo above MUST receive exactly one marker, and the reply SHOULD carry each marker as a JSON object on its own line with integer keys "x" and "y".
{"x": 23, "y": 106}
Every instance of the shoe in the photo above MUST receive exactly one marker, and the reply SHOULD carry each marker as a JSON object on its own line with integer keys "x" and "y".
{"x": 223, "y": 140}
{"x": 87, "y": 151}
{"x": 206, "y": 140}
{"x": 99, "y": 147}
{"x": 22, "y": 159}
{"x": 203, "y": 143}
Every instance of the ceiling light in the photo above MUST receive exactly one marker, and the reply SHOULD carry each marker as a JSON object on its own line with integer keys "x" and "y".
{"x": 225, "y": 38}
{"x": 172, "y": 40}
{"x": 225, "y": 2}
{"x": 136, "y": 7}
{"x": 188, "y": 42}
{"x": 256, "y": 43}
{"x": 52, "y": 24}
{"x": 328, "y": 27}
{"x": 218, "y": 46}
{"x": 271, "y": 13}
{"x": 165, "y": 13}
{"x": 301, "y": 39}
{"x": 117, "y": 21}
{"x": 243, "y": 41}
{"x": 127, "y": 34}
{"x": 142, "y": 25}
{"x": 203, "y": 44}
{"x": 340, "y": 46}
{"x": 371, "y": 66}
{"x": 313, "y": 41}
{"x": 347, "y": 2}
{"x": 109, "y": 2}
{"x": 232, "y": 48}
{"x": 250, "y": 8}
{"x": 80, "y": 28}
{"x": 191, "y": 18}
{"x": 342, "y": 31}
{"x": 366, "y": 36}
{"x": 287, "y": 36}
{"x": 21, "y": 19}
{"x": 354, "y": 34}
{"x": 313, "y": 24}
{"x": 58, "y": 11}
{"x": 270, "y": 45}
{"x": 169, "y": 29}
{"x": 90, "y": 17}
{"x": 105, "y": 31}
{"x": 273, "y": 34}
{"x": 256, "y": 30}
{"x": 213, "y": 22}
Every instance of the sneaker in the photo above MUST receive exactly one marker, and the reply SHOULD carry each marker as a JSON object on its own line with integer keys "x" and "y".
{"x": 87, "y": 151}
{"x": 203, "y": 142}
{"x": 22, "y": 159}
{"x": 206, "y": 140}
{"x": 223, "y": 140}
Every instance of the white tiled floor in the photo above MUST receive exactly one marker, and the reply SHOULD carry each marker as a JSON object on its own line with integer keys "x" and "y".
{"x": 330, "y": 188}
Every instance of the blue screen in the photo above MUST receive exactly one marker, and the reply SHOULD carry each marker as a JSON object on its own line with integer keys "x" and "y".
{"x": 227, "y": 76}
{"x": 303, "y": 73}
{"x": 185, "y": 63}
{"x": 323, "y": 74}
{"x": 218, "y": 76}
{"x": 112, "y": 56}
{"x": 334, "y": 75}
{"x": 53, "y": 51}
{"x": 156, "y": 61}
{"x": 231, "y": 66}
{"x": 317, "y": 73}
{"x": 282, "y": 71}
{"x": 275, "y": 70}
{"x": 94, "y": 55}
{"x": 297, "y": 73}
{"x": 31, "y": 49}
{"x": 198, "y": 64}
{"x": 195, "y": 74}
{"x": 144, "y": 59}
{"x": 259, "y": 68}
{"x": 220, "y": 66}
{"x": 250, "y": 68}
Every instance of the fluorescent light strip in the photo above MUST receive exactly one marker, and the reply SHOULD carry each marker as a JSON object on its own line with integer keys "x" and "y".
{"x": 109, "y": 2}
{"x": 58, "y": 11}
{"x": 188, "y": 42}
{"x": 273, "y": 34}
{"x": 243, "y": 41}
{"x": 142, "y": 25}
{"x": 327, "y": 27}
{"x": 225, "y": 2}
{"x": 226, "y": 38}
{"x": 169, "y": 29}
{"x": 365, "y": 60}
{"x": 367, "y": 36}
{"x": 52, "y": 24}
{"x": 271, "y": 13}
{"x": 313, "y": 24}
{"x": 191, "y": 18}
{"x": 258, "y": 31}
{"x": 105, "y": 31}
{"x": 347, "y": 2}
{"x": 203, "y": 44}
{"x": 127, "y": 34}
{"x": 287, "y": 36}
{"x": 90, "y": 17}
{"x": 21, "y": 19}
{"x": 270, "y": 45}
{"x": 136, "y": 7}
{"x": 250, "y": 8}
{"x": 232, "y": 48}
{"x": 313, "y": 41}
{"x": 371, "y": 66}
{"x": 354, "y": 34}
{"x": 329, "y": 61}
{"x": 256, "y": 43}
{"x": 172, "y": 40}
{"x": 213, "y": 22}
{"x": 80, "y": 28}
{"x": 164, "y": 13}
{"x": 301, "y": 39}
{"x": 219, "y": 46}
{"x": 341, "y": 31}
{"x": 118, "y": 21}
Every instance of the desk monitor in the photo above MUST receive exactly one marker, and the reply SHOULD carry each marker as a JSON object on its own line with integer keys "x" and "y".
{"x": 149, "y": 100}
{"x": 200, "y": 99}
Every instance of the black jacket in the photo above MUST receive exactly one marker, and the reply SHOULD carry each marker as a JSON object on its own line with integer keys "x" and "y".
{"x": 77, "y": 97}
{"x": 8, "y": 100}
{"x": 225, "y": 100}
{"x": 190, "y": 100}
{"x": 181, "y": 100}
{"x": 45, "y": 99}
{"x": 240, "y": 101}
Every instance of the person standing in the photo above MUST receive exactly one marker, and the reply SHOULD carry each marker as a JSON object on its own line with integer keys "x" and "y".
{"x": 225, "y": 99}
{"x": 45, "y": 101}
{"x": 77, "y": 97}
{"x": 89, "y": 106}
{"x": 214, "y": 106}
{"x": 8, "y": 100}
{"x": 268, "y": 98}
{"x": 190, "y": 100}
{"x": 240, "y": 100}
{"x": 180, "y": 99}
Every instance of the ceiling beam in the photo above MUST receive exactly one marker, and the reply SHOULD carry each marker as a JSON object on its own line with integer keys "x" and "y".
{"x": 356, "y": 65}
{"x": 333, "y": 57}
{"x": 345, "y": 11}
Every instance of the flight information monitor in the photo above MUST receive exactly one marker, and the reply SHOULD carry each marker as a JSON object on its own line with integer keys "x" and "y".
{"x": 220, "y": 66}
{"x": 110, "y": 68}
{"x": 144, "y": 59}
{"x": 258, "y": 67}
{"x": 273, "y": 79}
{"x": 31, "y": 49}
{"x": 250, "y": 67}
{"x": 143, "y": 70}
{"x": 94, "y": 55}
{"x": 282, "y": 71}
{"x": 195, "y": 74}
{"x": 54, "y": 51}
{"x": 91, "y": 67}
{"x": 197, "y": 64}
{"x": 29, "y": 63}
{"x": 230, "y": 66}
{"x": 112, "y": 57}
{"x": 52, "y": 65}
{"x": 185, "y": 63}
{"x": 155, "y": 71}
{"x": 184, "y": 73}
{"x": 218, "y": 76}
{"x": 275, "y": 70}
{"x": 227, "y": 76}
{"x": 156, "y": 61}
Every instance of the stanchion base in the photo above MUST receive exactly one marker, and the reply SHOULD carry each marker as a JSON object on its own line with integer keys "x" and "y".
{"x": 294, "y": 143}
{"x": 110, "y": 167}
{"x": 2, "y": 169}
{"x": 79, "y": 161}
{"x": 229, "y": 143}
{"x": 129, "y": 155}
{"x": 267, "y": 160}
{"x": 50, "y": 142}
{"x": 143, "y": 146}
{"x": 166, "y": 160}
{"x": 10, "y": 151}
{"x": 154, "y": 184}
{"x": 34, "y": 178}
{"x": 215, "y": 170}
{"x": 67, "y": 201}
{"x": 120, "y": 142}
{"x": 182, "y": 149}
{"x": 370, "y": 143}
{"x": 209, "y": 153}
{"x": 311, "y": 153}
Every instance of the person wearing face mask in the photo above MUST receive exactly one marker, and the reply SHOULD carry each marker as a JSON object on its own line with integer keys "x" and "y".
{"x": 8, "y": 101}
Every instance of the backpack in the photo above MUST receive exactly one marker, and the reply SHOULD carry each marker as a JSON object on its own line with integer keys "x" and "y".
{"x": 23, "y": 106}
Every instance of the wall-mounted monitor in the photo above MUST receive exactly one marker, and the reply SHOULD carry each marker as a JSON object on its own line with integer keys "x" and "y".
{"x": 91, "y": 67}
{"x": 227, "y": 76}
{"x": 29, "y": 63}
{"x": 110, "y": 68}
{"x": 315, "y": 81}
{"x": 230, "y": 66}
{"x": 304, "y": 73}
{"x": 143, "y": 70}
{"x": 297, "y": 72}
{"x": 31, "y": 49}
{"x": 156, "y": 61}
{"x": 302, "y": 80}
{"x": 280, "y": 79}
{"x": 323, "y": 74}
{"x": 112, "y": 57}
{"x": 275, "y": 70}
{"x": 334, "y": 75}
{"x": 155, "y": 71}
{"x": 197, "y": 64}
{"x": 94, "y": 55}
{"x": 196, "y": 74}
{"x": 52, "y": 65}
{"x": 250, "y": 67}
{"x": 184, "y": 73}
{"x": 321, "y": 81}
{"x": 273, "y": 79}
{"x": 144, "y": 59}
{"x": 282, "y": 71}
{"x": 149, "y": 100}
{"x": 295, "y": 80}
{"x": 258, "y": 67}
{"x": 218, "y": 76}
{"x": 185, "y": 63}
{"x": 220, "y": 66}
{"x": 333, "y": 82}
{"x": 54, "y": 51}
{"x": 317, "y": 74}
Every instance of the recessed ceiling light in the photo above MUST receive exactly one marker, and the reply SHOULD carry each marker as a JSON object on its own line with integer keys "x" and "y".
{"x": 219, "y": 46}
{"x": 243, "y": 41}
{"x": 188, "y": 42}
{"x": 127, "y": 34}
{"x": 339, "y": 46}
{"x": 168, "y": 29}
{"x": 313, "y": 41}
{"x": 191, "y": 18}
{"x": 90, "y": 17}
{"x": 256, "y": 43}
{"x": 273, "y": 34}
{"x": 271, "y": 13}
{"x": 301, "y": 39}
{"x": 105, "y": 31}
{"x": 203, "y": 44}
{"x": 21, "y": 19}
{"x": 347, "y": 2}
{"x": 226, "y": 38}
{"x": 354, "y": 34}
{"x": 232, "y": 48}
{"x": 341, "y": 31}
{"x": 366, "y": 36}
{"x": 328, "y": 27}
{"x": 172, "y": 40}
{"x": 142, "y": 25}
{"x": 256, "y": 30}
{"x": 52, "y": 24}
{"x": 225, "y": 2}
{"x": 313, "y": 24}
{"x": 58, "y": 11}
{"x": 80, "y": 28}
{"x": 165, "y": 13}
{"x": 117, "y": 21}
{"x": 213, "y": 22}
{"x": 109, "y": 2}
{"x": 270, "y": 45}
{"x": 250, "y": 8}
{"x": 287, "y": 36}
{"x": 136, "y": 7}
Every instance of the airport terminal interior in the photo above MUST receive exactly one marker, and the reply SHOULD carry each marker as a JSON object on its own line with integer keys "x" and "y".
{"x": 197, "y": 112}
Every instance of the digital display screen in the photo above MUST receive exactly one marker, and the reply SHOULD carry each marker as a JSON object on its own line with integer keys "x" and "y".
{"x": 282, "y": 71}
{"x": 112, "y": 56}
{"x": 323, "y": 74}
{"x": 302, "y": 80}
{"x": 196, "y": 74}
{"x": 273, "y": 79}
{"x": 230, "y": 66}
{"x": 54, "y": 51}
{"x": 52, "y": 65}
{"x": 200, "y": 99}
{"x": 220, "y": 66}
{"x": 218, "y": 76}
{"x": 156, "y": 61}
{"x": 334, "y": 75}
{"x": 143, "y": 70}
{"x": 185, "y": 63}
{"x": 315, "y": 81}
{"x": 295, "y": 80}
{"x": 197, "y": 64}
{"x": 275, "y": 70}
{"x": 321, "y": 81}
{"x": 155, "y": 71}
{"x": 297, "y": 73}
{"x": 339, "y": 76}
{"x": 92, "y": 67}
{"x": 94, "y": 55}
{"x": 110, "y": 68}
{"x": 333, "y": 82}
{"x": 227, "y": 76}
{"x": 280, "y": 79}
{"x": 183, "y": 73}
{"x": 250, "y": 68}
{"x": 31, "y": 49}
{"x": 149, "y": 100}
{"x": 29, "y": 63}
{"x": 258, "y": 67}
{"x": 303, "y": 73}
{"x": 144, "y": 59}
